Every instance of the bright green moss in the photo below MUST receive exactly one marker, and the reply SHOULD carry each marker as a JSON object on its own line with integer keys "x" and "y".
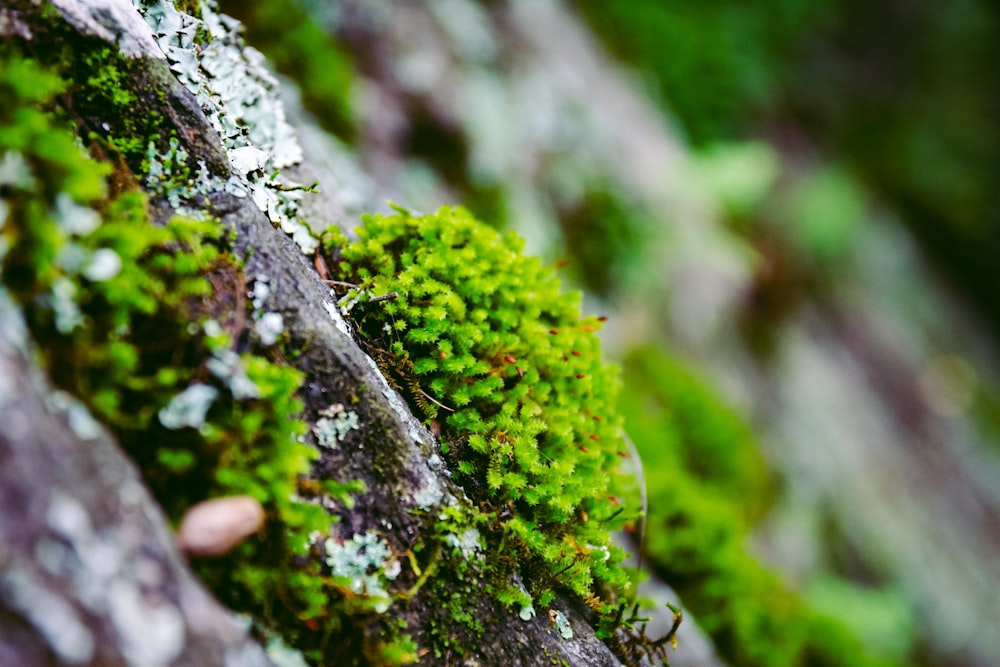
{"x": 485, "y": 345}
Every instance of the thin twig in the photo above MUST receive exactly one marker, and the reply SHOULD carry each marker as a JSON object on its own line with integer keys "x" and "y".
{"x": 435, "y": 402}
{"x": 384, "y": 297}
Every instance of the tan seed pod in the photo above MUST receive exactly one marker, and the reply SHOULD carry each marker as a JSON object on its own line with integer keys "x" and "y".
{"x": 214, "y": 527}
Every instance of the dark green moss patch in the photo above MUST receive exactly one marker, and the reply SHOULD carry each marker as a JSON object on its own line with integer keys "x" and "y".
{"x": 707, "y": 484}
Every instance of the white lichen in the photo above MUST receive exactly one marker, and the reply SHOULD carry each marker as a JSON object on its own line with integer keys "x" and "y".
{"x": 82, "y": 423}
{"x": 429, "y": 492}
{"x": 188, "y": 408}
{"x": 367, "y": 564}
{"x": 282, "y": 655}
{"x": 104, "y": 264}
{"x": 269, "y": 327}
{"x": 247, "y": 159}
{"x": 467, "y": 543}
{"x": 114, "y": 22}
{"x": 261, "y": 291}
{"x": 240, "y": 99}
{"x": 333, "y": 427}
{"x": 73, "y": 218}
{"x": 230, "y": 368}
{"x": 211, "y": 327}
{"x": 63, "y": 300}
{"x": 562, "y": 625}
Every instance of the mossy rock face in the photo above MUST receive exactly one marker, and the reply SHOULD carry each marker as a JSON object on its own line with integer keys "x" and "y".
{"x": 488, "y": 349}
{"x": 122, "y": 312}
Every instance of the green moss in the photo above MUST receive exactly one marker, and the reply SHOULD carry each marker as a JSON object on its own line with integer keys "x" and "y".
{"x": 106, "y": 95}
{"x": 707, "y": 484}
{"x": 485, "y": 345}
{"x": 191, "y": 7}
{"x": 679, "y": 423}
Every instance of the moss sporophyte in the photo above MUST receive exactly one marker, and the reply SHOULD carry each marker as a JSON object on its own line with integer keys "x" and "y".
{"x": 498, "y": 360}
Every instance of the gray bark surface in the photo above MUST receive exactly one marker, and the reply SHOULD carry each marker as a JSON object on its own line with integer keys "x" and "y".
{"x": 89, "y": 571}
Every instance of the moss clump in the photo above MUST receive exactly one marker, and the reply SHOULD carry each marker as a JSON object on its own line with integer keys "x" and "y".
{"x": 492, "y": 353}
{"x": 121, "y": 314}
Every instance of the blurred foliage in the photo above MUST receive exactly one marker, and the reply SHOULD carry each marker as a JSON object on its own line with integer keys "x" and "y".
{"x": 822, "y": 214}
{"x": 707, "y": 483}
{"x": 738, "y": 176}
{"x": 882, "y": 617}
{"x": 605, "y": 235}
{"x": 904, "y": 94}
{"x": 302, "y": 49}
{"x": 678, "y": 422}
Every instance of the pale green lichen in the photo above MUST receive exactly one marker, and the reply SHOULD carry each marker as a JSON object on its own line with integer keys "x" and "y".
{"x": 189, "y": 408}
{"x": 260, "y": 292}
{"x": 230, "y": 367}
{"x": 268, "y": 327}
{"x": 429, "y": 492}
{"x": 367, "y": 564}
{"x": 562, "y": 625}
{"x": 239, "y": 97}
{"x": 80, "y": 421}
{"x": 104, "y": 264}
{"x": 282, "y": 655}
{"x": 468, "y": 543}
{"x": 334, "y": 425}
